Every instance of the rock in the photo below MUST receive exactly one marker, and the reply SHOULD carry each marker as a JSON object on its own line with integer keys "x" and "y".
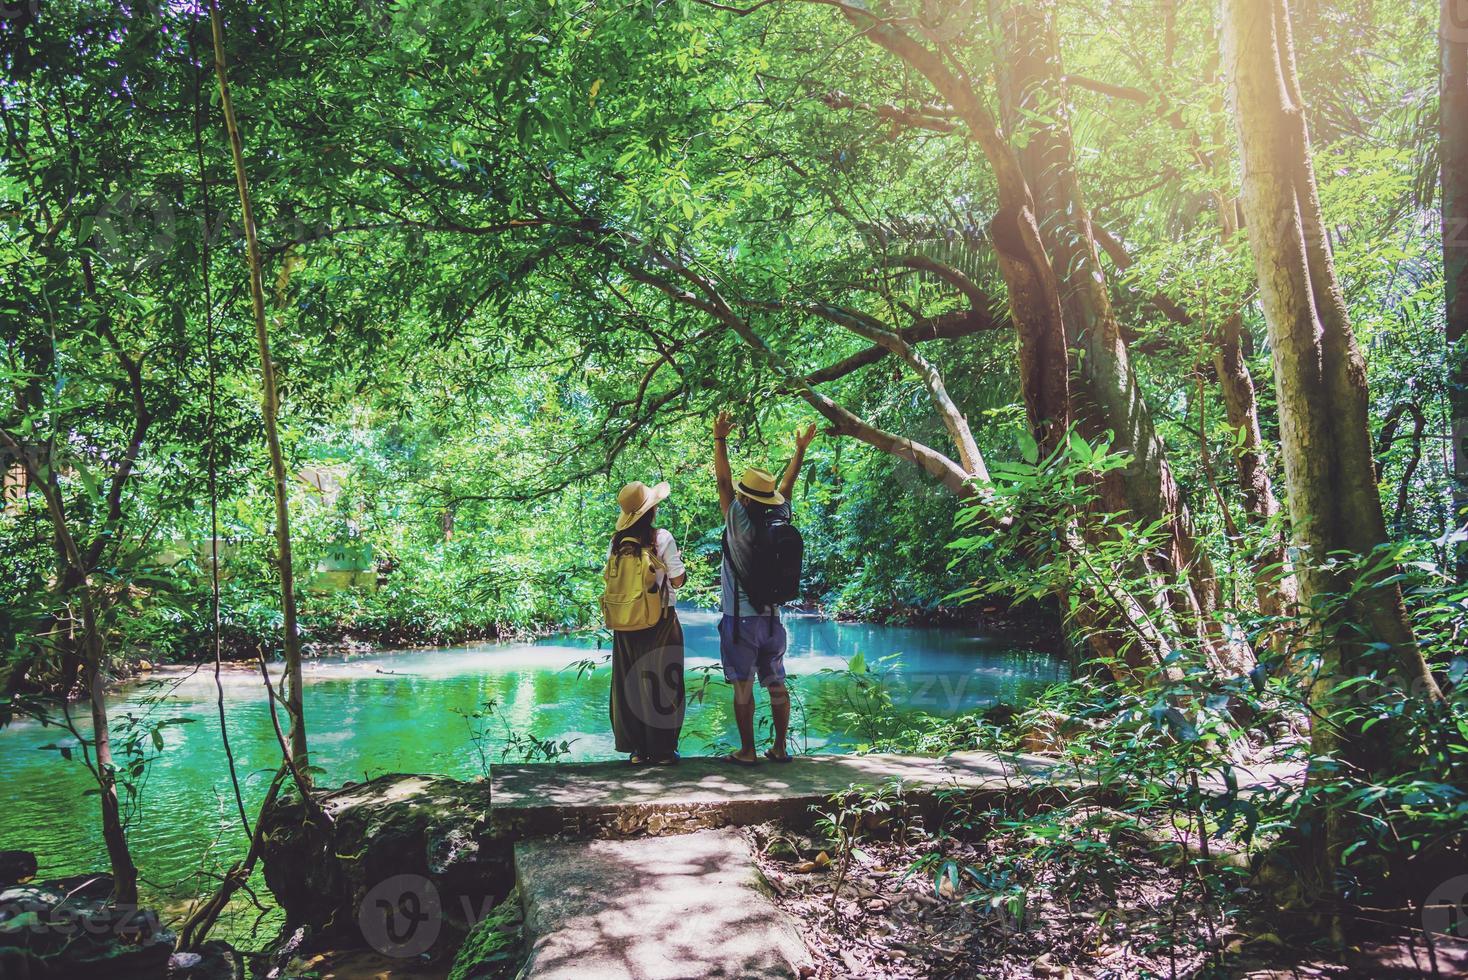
{"x": 405, "y": 866}
{"x": 16, "y": 867}
{"x": 493, "y": 946}
{"x": 781, "y": 849}
{"x": 599, "y": 799}
{"x": 216, "y": 961}
{"x": 95, "y": 886}
{"x": 64, "y": 929}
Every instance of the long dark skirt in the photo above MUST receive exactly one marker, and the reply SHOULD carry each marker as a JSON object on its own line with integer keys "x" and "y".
{"x": 647, "y": 688}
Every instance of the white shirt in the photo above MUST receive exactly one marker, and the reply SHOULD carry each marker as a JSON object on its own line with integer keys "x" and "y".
{"x": 666, "y": 549}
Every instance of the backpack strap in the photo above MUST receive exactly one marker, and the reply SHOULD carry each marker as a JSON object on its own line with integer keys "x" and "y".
{"x": 733, "y": 571}
{"x": 635, "y": 545}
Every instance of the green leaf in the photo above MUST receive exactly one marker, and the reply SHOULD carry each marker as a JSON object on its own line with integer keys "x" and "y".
{"x": 1028, "y": 448}
{"x": 1079, "y": 448}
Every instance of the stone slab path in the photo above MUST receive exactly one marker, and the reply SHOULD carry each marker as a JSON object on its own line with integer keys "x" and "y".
{"x": 613, "y": 799}
{"x": 693, "y": 905}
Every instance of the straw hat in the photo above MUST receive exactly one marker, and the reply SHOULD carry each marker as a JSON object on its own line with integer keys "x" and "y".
{"x": 636, "y": 499}
{"x": 758, "y": 484}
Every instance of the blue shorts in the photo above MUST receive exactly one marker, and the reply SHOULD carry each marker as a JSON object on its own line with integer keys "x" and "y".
{"x": 758, "y": 651}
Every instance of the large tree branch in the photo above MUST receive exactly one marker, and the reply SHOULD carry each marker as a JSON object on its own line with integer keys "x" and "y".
{"x": 1034, "y": 294}
{"x": 935, "y": 118}
{"x": 1122, "y": 259}
{"x": 142, "y": 419}
{"x": 1163, "y": 303}
{"x": 976, "y": 297}
{"x": 867, "y": 326}
{"x": 1109, "y": 89}
{"x": 980, "y": 123}
{"x": 1165, "y": 111}
{"x": 944, "y": 326}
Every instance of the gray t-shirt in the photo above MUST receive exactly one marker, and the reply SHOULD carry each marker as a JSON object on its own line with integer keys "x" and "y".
{"x": 741, "y": 529}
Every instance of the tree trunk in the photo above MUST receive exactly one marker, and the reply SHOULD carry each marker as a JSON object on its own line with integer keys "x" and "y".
{"x": 72, "y": 579}
{"x": 1453, "y": 134}
{"x": 1051, "y": 311}
{"x": 1320, "y": 381}
{"x": 114, "y": 834}
{"x": 1275, "y": 588}
{"x": 1105, "y": 394}
{"x": 1274, "y": 581}
{"x": 1274, "y": 584}
{"x": 1034, "y": 296}
{"x": 269, "y": 405}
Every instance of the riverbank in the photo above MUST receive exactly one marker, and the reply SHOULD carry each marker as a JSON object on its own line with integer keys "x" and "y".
{"x": 322, "y": 637}
{"x": 1031, "y": 625}
{"x": 1038, "y": 623}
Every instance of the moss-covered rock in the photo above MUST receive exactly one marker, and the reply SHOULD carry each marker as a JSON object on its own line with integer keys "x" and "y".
{"x": 494, "y": 947}
{"x": 418, "y": 840}
{"x": 69, "y": 929}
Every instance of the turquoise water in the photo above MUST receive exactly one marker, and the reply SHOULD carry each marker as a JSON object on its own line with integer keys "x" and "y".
{"x": 405, "y": 711}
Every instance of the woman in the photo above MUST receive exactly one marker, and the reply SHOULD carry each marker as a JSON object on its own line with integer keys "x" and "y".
{"x": 647, "y": 665}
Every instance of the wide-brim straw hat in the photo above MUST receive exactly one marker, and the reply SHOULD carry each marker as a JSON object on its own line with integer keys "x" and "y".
{"x": 758, "y": 484}
{"x": 636, "y": 499}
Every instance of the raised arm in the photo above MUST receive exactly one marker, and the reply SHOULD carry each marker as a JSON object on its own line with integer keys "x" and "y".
{"x": 725, "y": 479}
{"x": 803, "y": 438}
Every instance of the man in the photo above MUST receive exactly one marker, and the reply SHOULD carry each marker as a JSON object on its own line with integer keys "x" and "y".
{"x": 752, "y": 638}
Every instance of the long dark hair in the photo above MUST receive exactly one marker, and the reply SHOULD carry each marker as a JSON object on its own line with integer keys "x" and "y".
{"x": 640, "y": 532}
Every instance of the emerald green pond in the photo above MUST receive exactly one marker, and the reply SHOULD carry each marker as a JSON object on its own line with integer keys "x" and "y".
{"x": 404, "y": 711}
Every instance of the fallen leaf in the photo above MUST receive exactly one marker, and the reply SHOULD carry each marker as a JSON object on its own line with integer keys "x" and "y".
{"x": 1045, "y": 967}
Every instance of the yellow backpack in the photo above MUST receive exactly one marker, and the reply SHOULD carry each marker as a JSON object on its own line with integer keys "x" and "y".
{"x": 631, "y": 599}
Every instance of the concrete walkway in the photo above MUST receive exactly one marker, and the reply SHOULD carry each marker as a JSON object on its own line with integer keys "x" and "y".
{"x": 687, "y": 906}
{"x": 611, "y": 800}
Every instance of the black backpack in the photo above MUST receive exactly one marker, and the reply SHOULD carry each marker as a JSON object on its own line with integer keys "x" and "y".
{"x": 771, "y": 576}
